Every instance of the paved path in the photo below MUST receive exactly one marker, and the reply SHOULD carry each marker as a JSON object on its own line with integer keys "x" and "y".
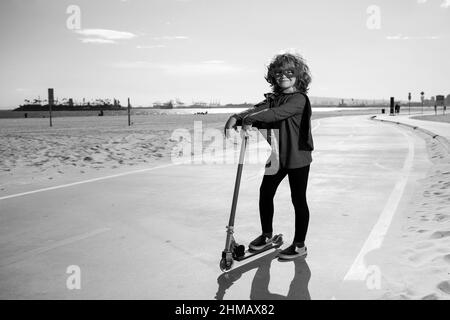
{"x": 158, "y": 234}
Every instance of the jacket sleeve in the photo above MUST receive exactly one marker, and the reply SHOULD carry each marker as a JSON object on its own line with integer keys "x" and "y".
{"x": 293, "y": 106}
{"x": 258, "y": 107}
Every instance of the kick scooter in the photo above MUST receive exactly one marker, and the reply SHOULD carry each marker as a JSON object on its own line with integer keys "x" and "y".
{"x": 234, "y": 251}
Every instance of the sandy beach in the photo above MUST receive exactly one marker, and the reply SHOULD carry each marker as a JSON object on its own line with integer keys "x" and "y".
{"x": 438, "y": 118}
{"x": 77, "y": 148}
{"x": 416, "y": 258}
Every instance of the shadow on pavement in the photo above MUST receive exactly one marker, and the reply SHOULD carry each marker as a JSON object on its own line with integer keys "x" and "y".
{"x": 298, "y": 289}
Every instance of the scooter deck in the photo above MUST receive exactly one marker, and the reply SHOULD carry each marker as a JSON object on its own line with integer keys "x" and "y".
{"x": 251, "y": 253}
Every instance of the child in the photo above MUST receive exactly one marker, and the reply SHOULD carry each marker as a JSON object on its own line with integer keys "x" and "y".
{"x": 288, "y": 110}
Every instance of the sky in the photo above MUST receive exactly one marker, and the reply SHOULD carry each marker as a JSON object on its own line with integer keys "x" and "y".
{"x": 218, "y": 50}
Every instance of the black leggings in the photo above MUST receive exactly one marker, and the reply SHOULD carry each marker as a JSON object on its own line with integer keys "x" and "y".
{"x": 298, "y": 181}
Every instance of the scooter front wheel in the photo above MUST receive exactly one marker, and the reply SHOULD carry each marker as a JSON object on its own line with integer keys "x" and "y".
{"x": 225, "y": 264}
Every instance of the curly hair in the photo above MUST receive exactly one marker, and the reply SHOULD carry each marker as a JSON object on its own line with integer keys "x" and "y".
{"x": 301, "y": 71}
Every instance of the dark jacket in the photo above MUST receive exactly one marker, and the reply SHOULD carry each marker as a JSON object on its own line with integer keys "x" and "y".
{"x": 290, "y": 113}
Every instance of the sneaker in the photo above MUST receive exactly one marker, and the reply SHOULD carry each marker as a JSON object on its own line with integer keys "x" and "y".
{"x": 260, "y": 243}
{"x": 292, "y": 252}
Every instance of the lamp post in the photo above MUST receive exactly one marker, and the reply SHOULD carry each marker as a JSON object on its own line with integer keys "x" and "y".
{"x": 409, "y": 102}
{"x": 129, "y": 112}
{"x": 392, "y": 110}
{"x": 422, "y": 98}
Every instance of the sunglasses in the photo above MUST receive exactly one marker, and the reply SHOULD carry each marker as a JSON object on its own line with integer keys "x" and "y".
{"x": 288, "y": 73}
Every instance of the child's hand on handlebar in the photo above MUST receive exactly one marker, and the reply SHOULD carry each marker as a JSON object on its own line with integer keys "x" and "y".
{"x": 231, "y": 124}
{"x": 246, "y": 125}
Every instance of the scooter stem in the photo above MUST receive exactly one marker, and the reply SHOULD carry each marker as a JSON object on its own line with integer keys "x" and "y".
{"x": 230, "y": 226}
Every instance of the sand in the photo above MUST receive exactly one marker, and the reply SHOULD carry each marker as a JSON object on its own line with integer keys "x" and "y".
{"x": 77, "y": 148}
{"x": 416, "y": 261}
{"x": 438, "y": 117}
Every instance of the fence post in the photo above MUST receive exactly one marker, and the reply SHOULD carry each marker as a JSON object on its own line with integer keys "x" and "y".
{"x": 50, "y": 104}
{"x": 129, "y": 112}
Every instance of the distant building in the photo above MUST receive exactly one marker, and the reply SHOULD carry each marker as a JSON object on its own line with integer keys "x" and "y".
{"x": 69, "y": 105}
{"x": 165, "y": 105}
{"x": 199, "y": 103}
{"x": 447, "y": 100}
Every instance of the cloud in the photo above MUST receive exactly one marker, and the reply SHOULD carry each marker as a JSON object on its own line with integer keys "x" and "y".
{"x": 98, "y": 41}
{"x": 106, "y": 34}
{"x": 184, "y": 69}
{"x": 396, "y": 37}
{"x": 445, "y": 4}
{"x": 150, "y": 46}
{"x": 401, "y": 37}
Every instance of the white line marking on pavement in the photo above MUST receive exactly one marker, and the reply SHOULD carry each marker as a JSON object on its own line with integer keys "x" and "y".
{"x": 34, "y": 252}
{"x": 383, "y": 167}
{"x": 85, "y": 181}
{"x": 359, "y": 270}
{"x": 194, "y": 159}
